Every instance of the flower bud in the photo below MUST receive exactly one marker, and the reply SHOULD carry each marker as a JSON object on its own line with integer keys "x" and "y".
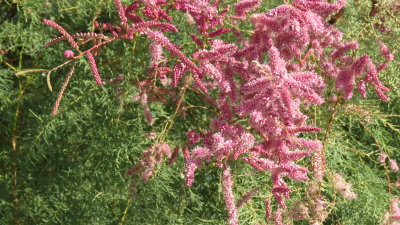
{"x": 69, "y": 54}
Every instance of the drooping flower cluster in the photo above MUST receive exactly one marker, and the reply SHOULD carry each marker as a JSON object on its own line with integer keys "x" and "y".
{"x": 228, "y": 141}
{"x": 229, "y": 198}
{"x": 272, "y": 93}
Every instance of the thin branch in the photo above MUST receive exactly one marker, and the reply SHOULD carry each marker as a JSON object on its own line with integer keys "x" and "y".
{"x": 62, "y": 90}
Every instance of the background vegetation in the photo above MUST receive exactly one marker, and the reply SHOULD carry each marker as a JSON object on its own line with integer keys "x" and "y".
{"x": 70, "y": 169}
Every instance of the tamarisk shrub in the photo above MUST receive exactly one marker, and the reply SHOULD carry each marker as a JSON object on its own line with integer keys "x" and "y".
{"x": 259, "y": 84}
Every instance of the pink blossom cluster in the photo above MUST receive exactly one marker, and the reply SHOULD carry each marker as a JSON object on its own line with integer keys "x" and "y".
{"x": 299, "y": 31}
{"x": 317, "y": 204}
{"x": 343, "y": 187}
{"x": 263, "y": 83}
{"x": 229, "y": 142}
{"x": 392, "y": 163}
{"x": 395, "y": 210}
{"x": 382, "y": 157}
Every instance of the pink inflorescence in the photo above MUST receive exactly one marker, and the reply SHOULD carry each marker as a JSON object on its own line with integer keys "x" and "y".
{"x": 244, "y": 6}
{"x": 382, "y": 157}
{"x": 394, "y": 208}
{"x": 385, "y": 51}
{"x": 229, "y": 198}
{"x": 270, "y": 95}
{"x": 93, "y": 66}
{"x": 262, "y": 86}
{"x": 393, "y": 165}
{"x": 63, "y": 32}
{"x": 343, "y": 187}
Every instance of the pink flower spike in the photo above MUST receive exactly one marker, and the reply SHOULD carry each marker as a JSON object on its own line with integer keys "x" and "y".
{"x": 93, "y": 66}
{"x": 219, "y": 32}
{"x": 199, "y": 83}
{"x": 278, "y": 217}
{"x": 156, "y": 54}
{"x": 277, "y": 64}
{"x": 320, "y": 7}
{"x": 385, "y": 52}
{"x": 197, "y": 40}
{"x": 244, "y": 6}
{"x": 186, "y": 154}
{"x": 62, "y": 31}
{"x": 381, "y": 95}
{"x": 345, "y": 82}
{"x": 120, "y": 10}
{"x": 229, "y": 198}
{"x": 382, "y": 67}
{"x": 304, "y": 129}
{"x": 165, "y": 43}
{"x": 397, "y": 184}
{"x": 394, "y": 206}
{"x": 173, "y": 156}
{"x": 146, "y": 109}
{"x": 193, "y": 137}
{"x": 179, "y": 70}
{"x": 362, "y": 88}
{"x": 393, "y": 165}
{"x": 268, "y": 208}
{"x": 343, "y": 49}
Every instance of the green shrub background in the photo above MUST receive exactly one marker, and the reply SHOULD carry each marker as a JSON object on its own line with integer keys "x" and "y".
{"x": 70, "y": 169}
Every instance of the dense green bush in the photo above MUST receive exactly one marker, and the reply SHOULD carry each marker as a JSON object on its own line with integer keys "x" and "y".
{"x": 70, "y": 168}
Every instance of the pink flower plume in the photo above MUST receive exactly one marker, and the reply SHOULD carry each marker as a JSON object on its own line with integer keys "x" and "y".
{"x": 93, "y": 66}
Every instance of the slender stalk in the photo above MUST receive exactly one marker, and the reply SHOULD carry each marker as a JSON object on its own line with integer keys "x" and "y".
{"x": 123, "y": 218}
{"x": 318, "y": 159}
{"x": 171, "y": 120}
{"x": 14, "y": 152}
